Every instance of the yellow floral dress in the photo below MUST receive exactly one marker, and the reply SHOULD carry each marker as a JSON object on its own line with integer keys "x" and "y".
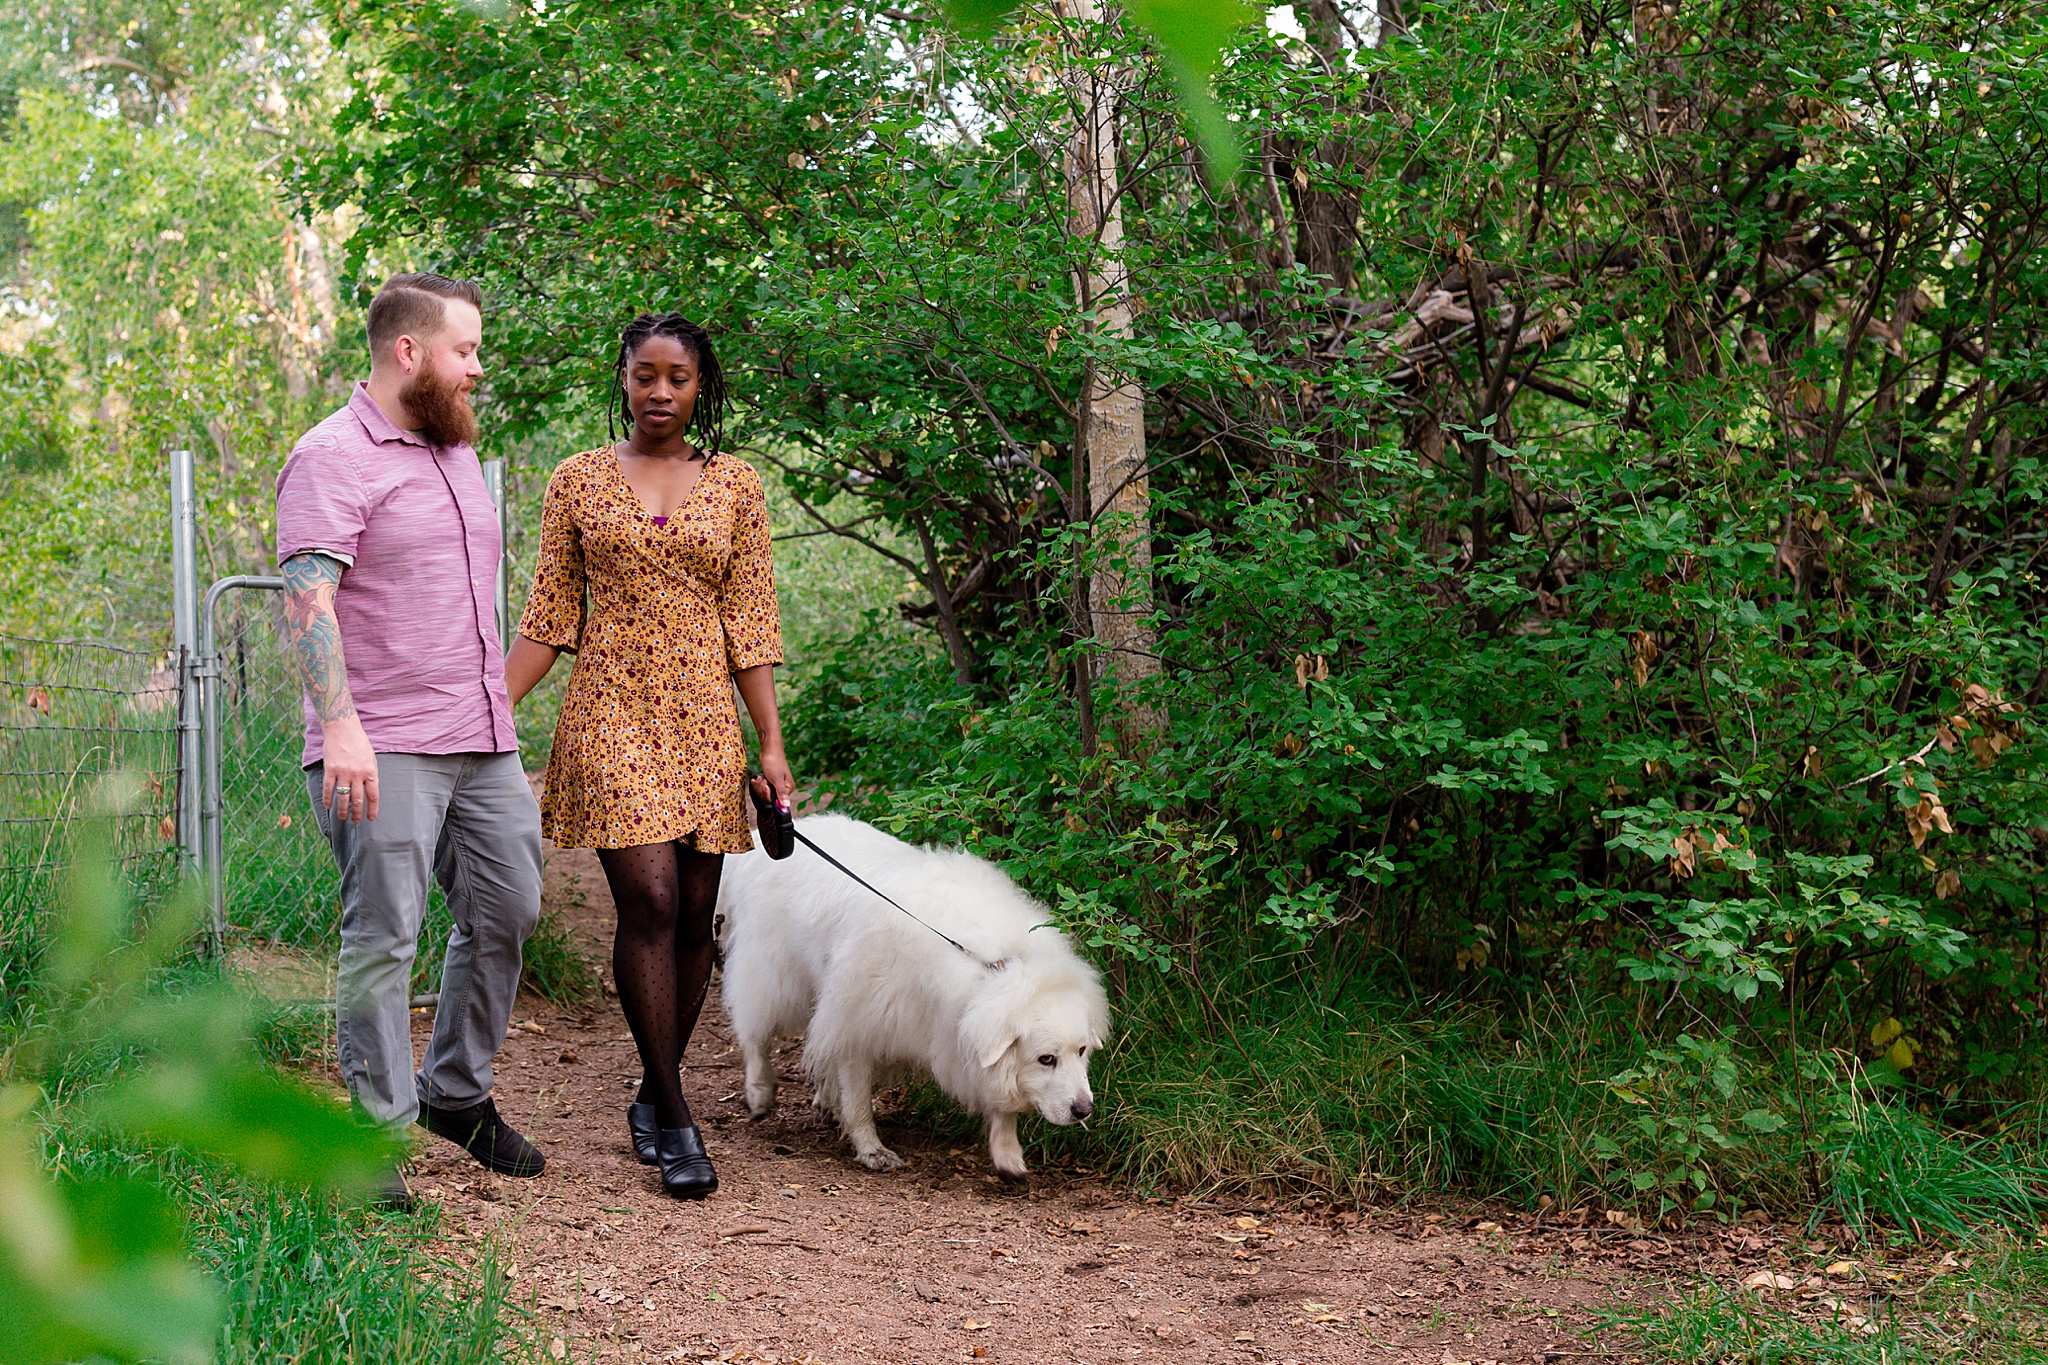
{"x": 648, "y": 747}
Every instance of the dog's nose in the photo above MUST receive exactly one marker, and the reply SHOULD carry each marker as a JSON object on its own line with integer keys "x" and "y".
{"x": 1082, "y": 1109}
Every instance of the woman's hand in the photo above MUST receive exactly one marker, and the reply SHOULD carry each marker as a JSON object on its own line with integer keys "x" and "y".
{"x": 526, "y": 663}
{"x": 775, "y": 777}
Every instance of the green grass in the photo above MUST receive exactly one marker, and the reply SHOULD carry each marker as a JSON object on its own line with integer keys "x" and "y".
{"x": 1376, "y": 1099}
{"x": 308, "y": 1279}
{"x": 1990, "y": 1306}
{"x": 305, "y": 1278}
{"x": 555, "y": 967}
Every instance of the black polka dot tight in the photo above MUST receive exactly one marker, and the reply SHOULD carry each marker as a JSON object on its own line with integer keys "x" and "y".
{"x": 661, "y": 958}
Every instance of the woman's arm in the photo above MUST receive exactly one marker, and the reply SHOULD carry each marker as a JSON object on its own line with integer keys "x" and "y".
{"x": 757, "y": 689}
{"x": 527, "y": 664}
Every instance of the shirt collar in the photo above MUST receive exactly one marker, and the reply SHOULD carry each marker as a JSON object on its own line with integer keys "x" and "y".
{"x": 376, "y": 425}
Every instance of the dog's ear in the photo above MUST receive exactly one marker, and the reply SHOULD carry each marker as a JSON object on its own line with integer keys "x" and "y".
{"x": 989, "y": 1027}
{"x": 1098, "y": 1015}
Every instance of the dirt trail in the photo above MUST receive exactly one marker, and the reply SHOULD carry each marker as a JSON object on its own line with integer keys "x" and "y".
{"x": 804, "y": 1256}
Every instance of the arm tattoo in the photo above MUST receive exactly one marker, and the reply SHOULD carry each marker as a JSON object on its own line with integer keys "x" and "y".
{"x": 309, "y": 584}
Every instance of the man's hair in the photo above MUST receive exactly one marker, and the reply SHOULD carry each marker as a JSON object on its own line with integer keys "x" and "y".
{"x": 414, "y": 305}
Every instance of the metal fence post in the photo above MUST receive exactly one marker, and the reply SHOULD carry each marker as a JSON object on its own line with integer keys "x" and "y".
{"x": 494, "y": 480}
{"x": 185, "y": 632}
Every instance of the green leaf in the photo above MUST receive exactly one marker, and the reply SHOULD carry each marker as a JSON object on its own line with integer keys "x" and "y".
{"x": 269, "y": 1125}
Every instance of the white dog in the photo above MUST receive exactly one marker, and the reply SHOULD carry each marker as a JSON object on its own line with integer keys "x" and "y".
{"x": 808, "y": 951}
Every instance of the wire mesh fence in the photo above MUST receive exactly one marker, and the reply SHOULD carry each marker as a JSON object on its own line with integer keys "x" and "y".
{"x": 278, "y": 894}
{"x": 73, "y": 715}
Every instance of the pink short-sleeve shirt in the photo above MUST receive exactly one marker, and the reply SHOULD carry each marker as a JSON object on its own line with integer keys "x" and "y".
{"x": 415, "y": 528}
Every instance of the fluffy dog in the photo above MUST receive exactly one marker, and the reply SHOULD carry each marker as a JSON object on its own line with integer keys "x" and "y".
{"x": 809, "y": 951}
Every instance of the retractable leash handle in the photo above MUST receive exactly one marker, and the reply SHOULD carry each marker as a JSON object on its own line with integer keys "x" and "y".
{"x": 786, "y": 836}
{"x": 777, "y": 825}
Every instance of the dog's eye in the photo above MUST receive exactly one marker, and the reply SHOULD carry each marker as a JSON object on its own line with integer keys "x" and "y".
{"x": 1082, "y": 1053}
{"x": 1048, "y": 1059}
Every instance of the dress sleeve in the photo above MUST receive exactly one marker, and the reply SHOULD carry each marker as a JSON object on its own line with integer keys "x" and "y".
{"x": 746, "y": 600}
{"x": 554, "y": 609}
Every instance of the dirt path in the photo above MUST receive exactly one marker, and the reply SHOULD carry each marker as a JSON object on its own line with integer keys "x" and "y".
{"x": 804, "y": 1256}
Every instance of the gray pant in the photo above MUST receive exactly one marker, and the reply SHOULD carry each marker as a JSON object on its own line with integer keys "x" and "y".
{"x": 470, "y": 820}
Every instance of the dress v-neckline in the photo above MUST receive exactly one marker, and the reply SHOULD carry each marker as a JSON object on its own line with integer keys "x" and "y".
{"x": 647, "y": 513}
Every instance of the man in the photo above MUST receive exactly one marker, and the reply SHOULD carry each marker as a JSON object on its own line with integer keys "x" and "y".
{"x": 390, "y": 549}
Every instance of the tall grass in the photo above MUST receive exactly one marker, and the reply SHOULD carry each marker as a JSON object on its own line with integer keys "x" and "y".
{"x": 1255, "y": 1084}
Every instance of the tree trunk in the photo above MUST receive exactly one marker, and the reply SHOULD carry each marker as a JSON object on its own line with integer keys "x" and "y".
{"x": 1112, "y": 408}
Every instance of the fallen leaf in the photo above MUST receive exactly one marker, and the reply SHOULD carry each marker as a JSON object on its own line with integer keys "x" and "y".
{"x": 970, "y": 1325}
{"x": 1769, "y": 1280}
{"x": 1841, "y": 1267}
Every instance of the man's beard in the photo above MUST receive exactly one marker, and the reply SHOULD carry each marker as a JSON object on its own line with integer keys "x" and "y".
{"x": 440, "y": 407}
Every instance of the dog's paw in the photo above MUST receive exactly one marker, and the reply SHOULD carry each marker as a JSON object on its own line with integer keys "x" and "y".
{"x": 760, "y": 1103}
{"x": 880, "y": 1159}
{"x": 1019, "y": 1177}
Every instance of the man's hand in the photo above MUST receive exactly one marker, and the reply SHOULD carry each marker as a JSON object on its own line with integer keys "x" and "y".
{"x": 348, "y": 785}
{"x": 350, "y": 765}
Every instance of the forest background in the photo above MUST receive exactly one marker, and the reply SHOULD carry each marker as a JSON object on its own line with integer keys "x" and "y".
{"x": 1509, "y": 624}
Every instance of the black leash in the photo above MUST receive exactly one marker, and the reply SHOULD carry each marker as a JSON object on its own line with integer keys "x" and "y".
{"x": 806, "y": 841}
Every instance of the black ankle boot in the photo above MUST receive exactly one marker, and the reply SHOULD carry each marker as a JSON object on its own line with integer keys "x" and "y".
{"x": 640, "y": 1121}
{"x": 686, "y": 1173}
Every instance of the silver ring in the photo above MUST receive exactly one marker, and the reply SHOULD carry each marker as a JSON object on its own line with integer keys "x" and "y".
{"x": 341, "y": 789}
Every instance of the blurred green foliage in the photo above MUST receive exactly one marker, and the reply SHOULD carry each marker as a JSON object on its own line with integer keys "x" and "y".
{"x": 98, "y": 1266}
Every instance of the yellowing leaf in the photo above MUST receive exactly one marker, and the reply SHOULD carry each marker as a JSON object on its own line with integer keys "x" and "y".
{"x": 1643, "y": 654}
{"x": 1901, "y": 1054}
{"x": 1882, "y": 1034}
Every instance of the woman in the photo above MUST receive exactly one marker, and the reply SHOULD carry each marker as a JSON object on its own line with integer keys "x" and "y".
{"x": 670, "y": 540}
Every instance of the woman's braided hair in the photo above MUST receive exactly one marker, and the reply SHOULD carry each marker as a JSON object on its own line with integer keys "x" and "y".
{"x": 708, "y": 417}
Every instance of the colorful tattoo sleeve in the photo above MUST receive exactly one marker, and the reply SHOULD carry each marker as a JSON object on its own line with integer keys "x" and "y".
{"x": 309, "y": 584}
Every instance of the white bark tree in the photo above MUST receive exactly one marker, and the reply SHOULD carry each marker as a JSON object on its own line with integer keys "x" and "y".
{"x": 1112, "y": 405}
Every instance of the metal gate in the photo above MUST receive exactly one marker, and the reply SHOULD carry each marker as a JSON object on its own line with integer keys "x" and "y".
{"x": 270, "y": 880}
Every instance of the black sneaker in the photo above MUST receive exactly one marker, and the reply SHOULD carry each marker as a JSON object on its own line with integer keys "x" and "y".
{"x": 479, "y": 1131}
{"x": 390, "y": 1192}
